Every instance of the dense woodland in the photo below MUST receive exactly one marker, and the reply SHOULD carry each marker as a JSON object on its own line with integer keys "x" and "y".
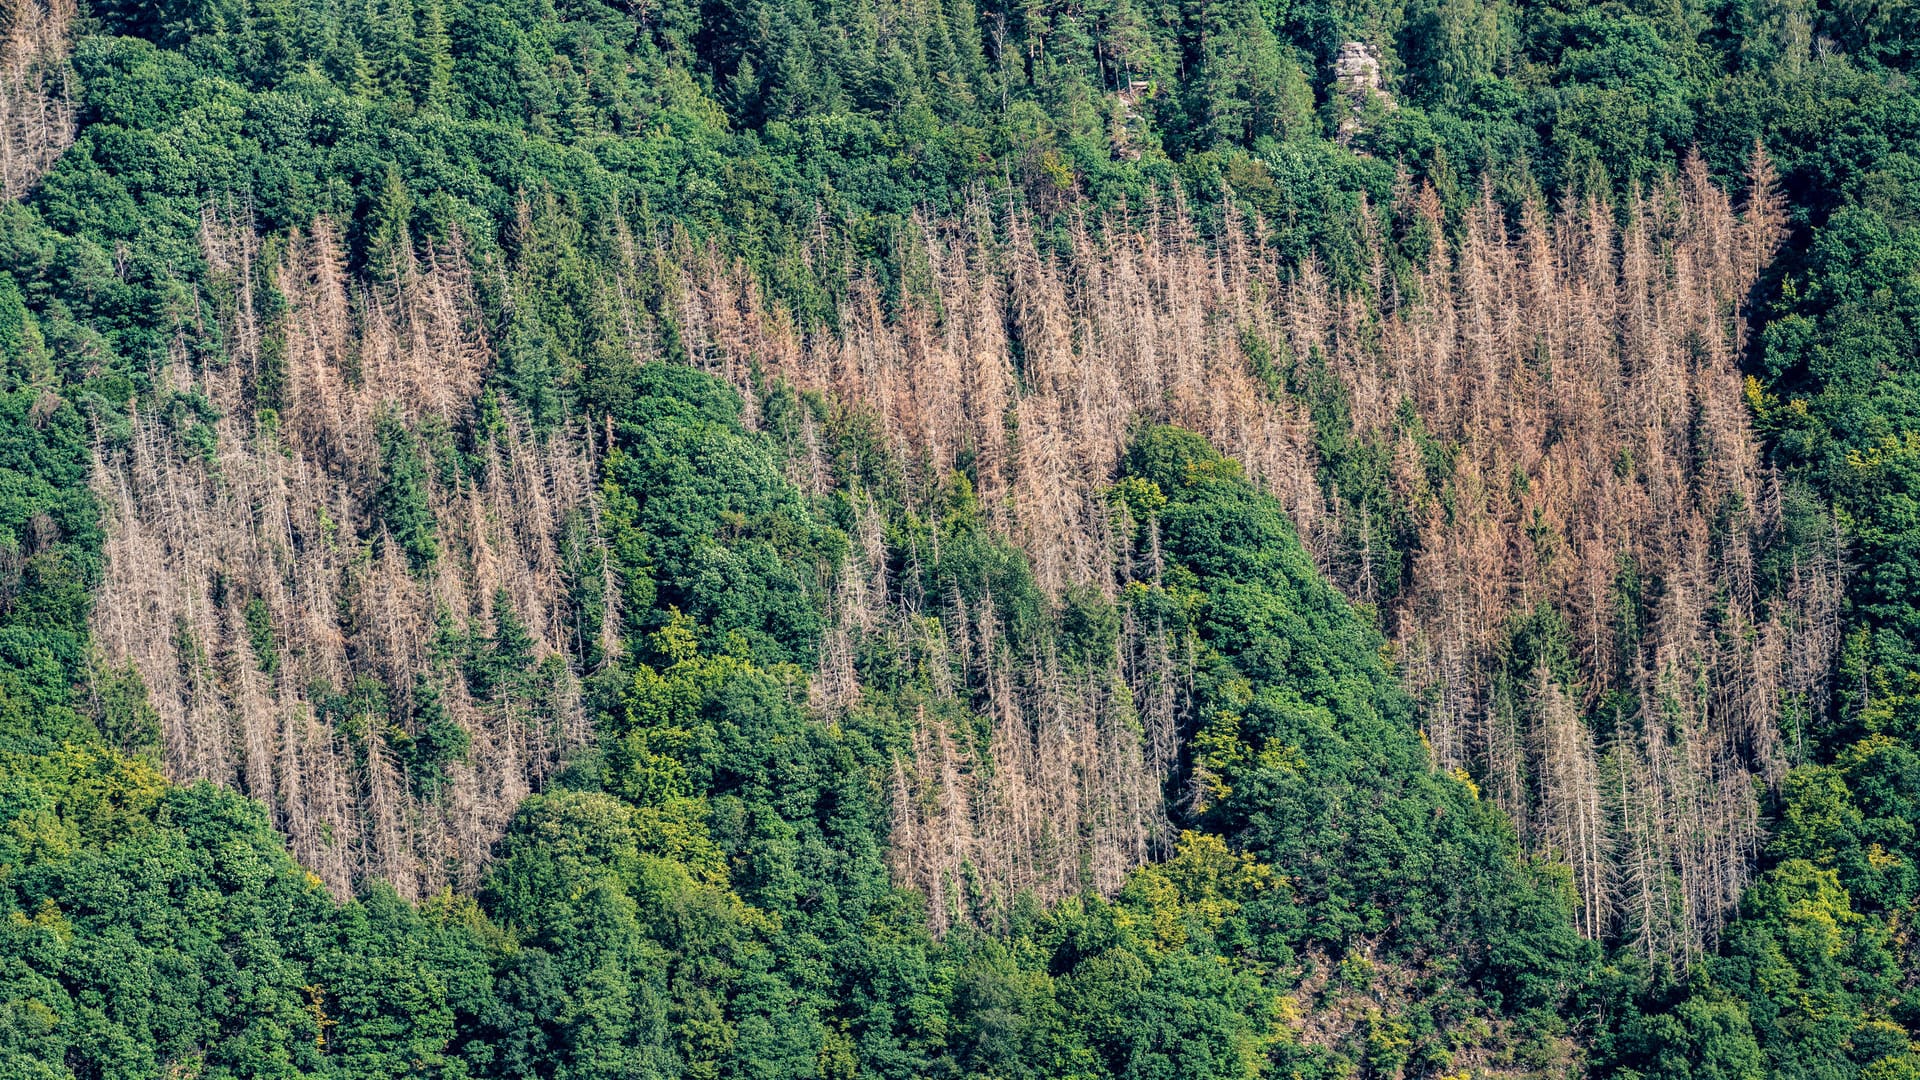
{"x": 769, "y": 539}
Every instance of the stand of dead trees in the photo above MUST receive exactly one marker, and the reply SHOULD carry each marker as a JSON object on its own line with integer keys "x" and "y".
{"x": 247, "y": 575}
{"x": 36, "y": 90}
{"x": 1586, "y": 372}
{"x": 1578, "y": 368}
{"x": 1063, "y": 793}
{"x": 1141, "y": 319}
{"x": 1574, "y": 369}
{"x": 1028, "y": 773}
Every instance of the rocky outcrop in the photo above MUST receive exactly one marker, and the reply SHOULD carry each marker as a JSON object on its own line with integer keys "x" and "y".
{"x": 1356, "y": 85}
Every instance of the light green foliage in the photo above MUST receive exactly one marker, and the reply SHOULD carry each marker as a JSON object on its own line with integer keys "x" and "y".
{"x": 106, "y": 963}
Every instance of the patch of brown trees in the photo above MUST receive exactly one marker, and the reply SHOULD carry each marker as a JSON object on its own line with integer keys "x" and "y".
{"x": 36, "y": 90}
{"x": 1585, "y": 369}
{"x": 269, "y": 532}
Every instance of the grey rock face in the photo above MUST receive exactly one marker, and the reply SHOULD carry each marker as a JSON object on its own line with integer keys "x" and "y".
{"x": 1356, "y": 81}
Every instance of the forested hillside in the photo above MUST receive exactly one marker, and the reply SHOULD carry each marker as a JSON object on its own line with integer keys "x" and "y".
{"x": 768, "y": 538}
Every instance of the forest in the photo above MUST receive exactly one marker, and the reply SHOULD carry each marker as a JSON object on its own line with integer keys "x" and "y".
{"x": 1051, "y": 539}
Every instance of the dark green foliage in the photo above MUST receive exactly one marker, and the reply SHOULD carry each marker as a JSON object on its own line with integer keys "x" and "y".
{"x": 125, "y": 719}
{"x": 704, "y": 522}
{"x": 436, "y": 742}
{"x": 1706, "y": 1036}
{"x": 1089, "y": 627}
{"x": 502, "y": 660}
{"x": 400, "y": 502}
{"x": 23, "y": 354}
{"x": 49, "y": 556}
{"x": 266, "y": 649}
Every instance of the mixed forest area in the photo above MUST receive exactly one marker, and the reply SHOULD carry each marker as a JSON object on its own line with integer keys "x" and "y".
{"x": 957, "y": 538}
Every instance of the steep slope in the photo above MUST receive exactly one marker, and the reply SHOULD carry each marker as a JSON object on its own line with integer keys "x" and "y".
{"x": 1490, "y": 443}
{"x": 1603, "y": 530}
{"x": 708, "y": 893}
{"x": 909, "y": 700}
{"x": 1532, "y": 452}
